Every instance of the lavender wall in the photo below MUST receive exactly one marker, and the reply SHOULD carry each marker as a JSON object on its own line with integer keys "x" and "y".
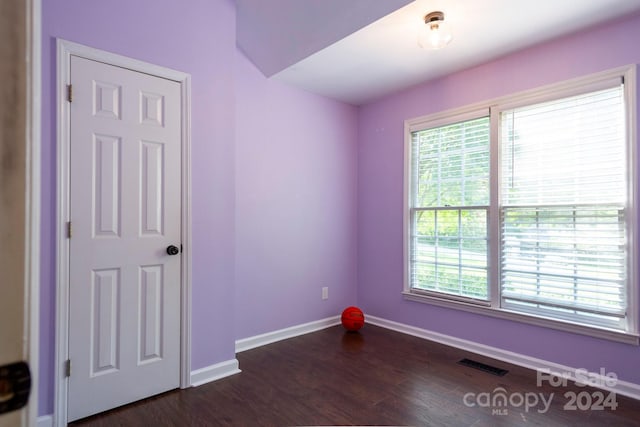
{"x": 200, "y": 40}
{"x": 380, "y": 163}
{"x": 295, "y": 204}
{"x": 292, "y": 191}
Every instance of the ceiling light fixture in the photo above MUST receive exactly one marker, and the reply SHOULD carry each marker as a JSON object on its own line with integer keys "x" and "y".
{"x": 437, "y": 34}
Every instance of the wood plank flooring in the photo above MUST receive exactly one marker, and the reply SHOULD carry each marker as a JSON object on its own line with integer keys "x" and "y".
{"x": 374, "y": 377}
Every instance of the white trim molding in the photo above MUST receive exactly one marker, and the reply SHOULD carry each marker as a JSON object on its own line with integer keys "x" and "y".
{"x": 44, "y": 421}
{"x": 245, "y": 344}
{"x": 66, "y": 49}
{"x": 623, "y": 388}
{"x": 33, "y": 202}
{"x": 607, "y": 334}
{"x": 214, "y": 372}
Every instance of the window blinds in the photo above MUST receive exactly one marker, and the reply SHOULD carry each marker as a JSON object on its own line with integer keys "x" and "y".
{"x": 450, "y": 200}
{"x": 563, "y": 192}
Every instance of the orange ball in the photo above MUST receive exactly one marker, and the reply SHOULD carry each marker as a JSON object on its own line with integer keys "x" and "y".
{"x": 352, "y": 318}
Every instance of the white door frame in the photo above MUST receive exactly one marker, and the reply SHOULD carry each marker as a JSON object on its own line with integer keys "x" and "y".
{"x": 65, "y": 49}
{"x": 32, "y": 239}
{"x": 31, "y": 332}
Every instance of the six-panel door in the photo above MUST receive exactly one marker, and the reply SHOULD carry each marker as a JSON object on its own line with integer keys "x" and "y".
{"x": 125, "y": 206}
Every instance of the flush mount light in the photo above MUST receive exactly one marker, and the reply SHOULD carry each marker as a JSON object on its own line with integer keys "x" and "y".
{"x": 437, "y": 33}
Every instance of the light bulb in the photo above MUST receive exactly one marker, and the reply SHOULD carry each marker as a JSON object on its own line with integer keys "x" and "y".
{"x": 436, "y": 34}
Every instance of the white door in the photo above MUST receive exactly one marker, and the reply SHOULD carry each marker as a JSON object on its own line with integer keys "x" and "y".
{"x": 124, "y": 304}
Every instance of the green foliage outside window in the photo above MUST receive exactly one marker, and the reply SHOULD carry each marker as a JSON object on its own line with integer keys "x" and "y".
{"x": 450, "y": 240}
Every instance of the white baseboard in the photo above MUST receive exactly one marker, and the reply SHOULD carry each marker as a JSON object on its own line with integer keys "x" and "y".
{"x": 282, "y": 334}
{"x": 214, "y": 372}
{"x": 621, "y": 387}
{"x": 45, "y": 421}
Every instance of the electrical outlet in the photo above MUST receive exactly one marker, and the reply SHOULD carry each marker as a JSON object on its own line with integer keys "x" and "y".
{"x": 325, "y": 292}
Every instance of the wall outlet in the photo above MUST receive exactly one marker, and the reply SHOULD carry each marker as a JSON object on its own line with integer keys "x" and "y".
{"x": 325, "y": 292}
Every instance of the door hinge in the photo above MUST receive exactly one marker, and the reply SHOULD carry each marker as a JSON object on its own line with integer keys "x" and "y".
{"x": 67, "y": 368}
{"x": 70, "y": 93}
{"x": 69, "y": 229}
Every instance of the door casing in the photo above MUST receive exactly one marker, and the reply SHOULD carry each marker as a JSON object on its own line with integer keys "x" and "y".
{"x": 65, "y": 49}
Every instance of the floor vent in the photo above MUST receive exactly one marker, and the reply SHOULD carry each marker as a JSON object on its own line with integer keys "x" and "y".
{"x": 483, "y": 367}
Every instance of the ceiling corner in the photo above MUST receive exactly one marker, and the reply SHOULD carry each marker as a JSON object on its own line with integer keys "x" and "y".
{"x": 276, "y": 34}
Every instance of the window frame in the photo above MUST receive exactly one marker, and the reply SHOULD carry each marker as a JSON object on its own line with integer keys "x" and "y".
{"x": 463, "y": 115}
{"x": 493, "y": 108}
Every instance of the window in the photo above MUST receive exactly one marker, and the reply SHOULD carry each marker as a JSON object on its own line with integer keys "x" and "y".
{"x": 449, "y": 208}
{"x": 522, "y": 207}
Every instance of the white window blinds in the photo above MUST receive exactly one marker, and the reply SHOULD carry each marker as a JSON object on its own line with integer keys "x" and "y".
{"x": 449, "y": 205}
{"x": 563, "y": 192}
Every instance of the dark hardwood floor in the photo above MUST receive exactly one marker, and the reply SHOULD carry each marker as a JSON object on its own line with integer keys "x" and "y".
{"x": 375, "y": 377}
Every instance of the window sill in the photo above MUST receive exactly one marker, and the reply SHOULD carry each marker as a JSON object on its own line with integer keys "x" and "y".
{"x": 592, "y": 331}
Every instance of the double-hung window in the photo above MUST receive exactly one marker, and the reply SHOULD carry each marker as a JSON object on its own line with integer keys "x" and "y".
{"x": 450, "y": 206}
{"x": 523, "y": 207}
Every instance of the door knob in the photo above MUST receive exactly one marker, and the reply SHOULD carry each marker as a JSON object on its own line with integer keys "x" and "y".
{"x": 173, "y": 250}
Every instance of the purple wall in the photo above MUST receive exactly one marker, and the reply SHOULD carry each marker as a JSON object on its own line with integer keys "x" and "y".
{"x": 200, "y": 40}
{"x": 380, "y": 173}
{"x": 295, "y": 204}
{"x": 292, "y": 191}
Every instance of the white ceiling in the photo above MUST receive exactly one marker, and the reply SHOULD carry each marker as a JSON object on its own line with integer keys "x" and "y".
{"x": 384, "y": 56}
